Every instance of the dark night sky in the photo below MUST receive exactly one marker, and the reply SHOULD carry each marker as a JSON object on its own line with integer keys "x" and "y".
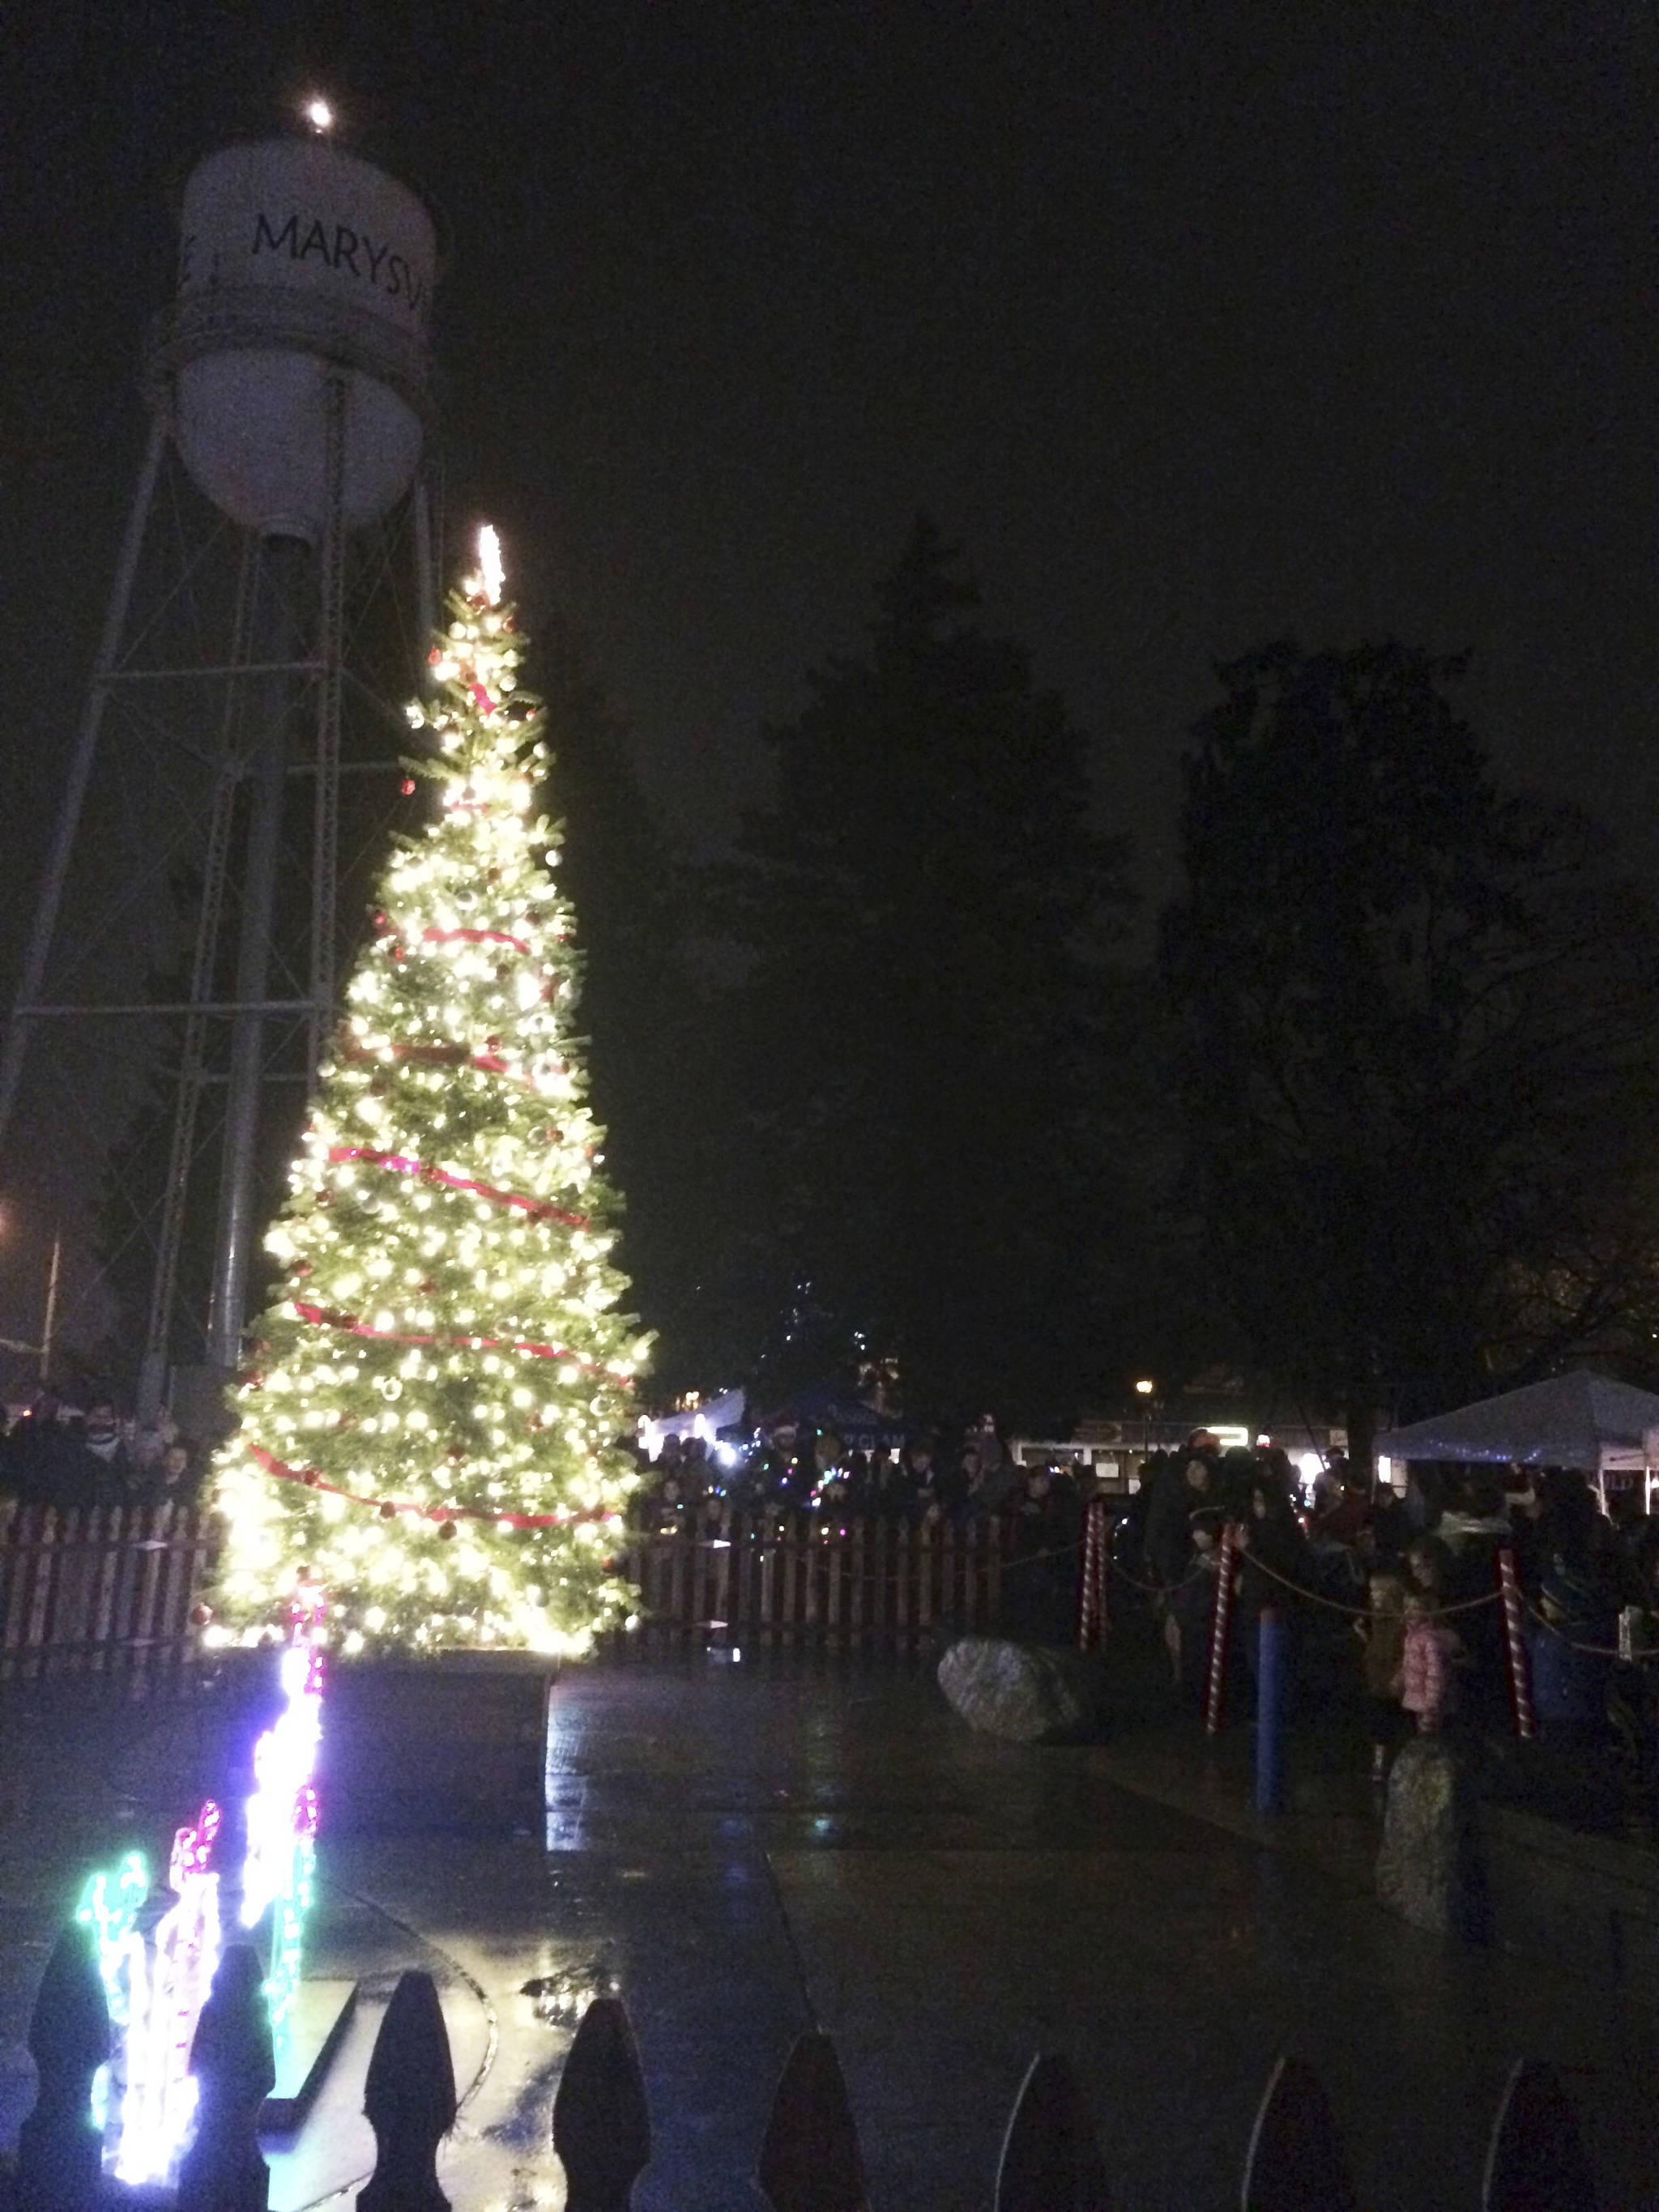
{"x": 1193, "y": 325}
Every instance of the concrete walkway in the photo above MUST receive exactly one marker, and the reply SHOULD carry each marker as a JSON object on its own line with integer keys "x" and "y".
{"x": 745, "y": 1851}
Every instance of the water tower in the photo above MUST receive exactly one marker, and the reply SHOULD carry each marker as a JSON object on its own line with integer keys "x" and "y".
{"x": 270, "y": 607}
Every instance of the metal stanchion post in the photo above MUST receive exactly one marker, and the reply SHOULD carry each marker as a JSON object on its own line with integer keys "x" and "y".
{"x": 1270, "y": 1711}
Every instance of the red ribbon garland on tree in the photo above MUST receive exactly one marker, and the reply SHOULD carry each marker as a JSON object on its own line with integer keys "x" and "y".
{"x": 448, "y": 1055}
{"x": 320, "y": 1317}
{"x": 474, "y": 937}
{"x": 312, "y": 1480}
{"x": 400, "y": 1163}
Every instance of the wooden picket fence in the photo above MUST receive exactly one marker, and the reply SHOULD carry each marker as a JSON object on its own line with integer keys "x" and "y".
{"x": 109, "y": 1589}
{"x": 809, "y": 2158}
{"x": 99, "y": 1589}
{"x": 765, "y": 1578}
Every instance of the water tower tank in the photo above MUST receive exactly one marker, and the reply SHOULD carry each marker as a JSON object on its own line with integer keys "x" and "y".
{"x": 297, "y": 259}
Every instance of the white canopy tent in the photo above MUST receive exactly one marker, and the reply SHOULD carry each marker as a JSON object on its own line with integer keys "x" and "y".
{"x": 705, "y": 1421}
{"x": 1578, "y": 1421}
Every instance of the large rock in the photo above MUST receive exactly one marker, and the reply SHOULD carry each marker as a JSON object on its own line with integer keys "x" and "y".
{"x": 1429, "y": 1868}
{"x": 1023, "y": 1691}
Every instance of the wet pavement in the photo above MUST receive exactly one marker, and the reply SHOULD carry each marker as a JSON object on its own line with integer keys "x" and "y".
{"x": 745, "y": 1851}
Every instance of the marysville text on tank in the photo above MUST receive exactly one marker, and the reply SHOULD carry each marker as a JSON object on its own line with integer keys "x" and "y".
{"x": 340, "y": 247}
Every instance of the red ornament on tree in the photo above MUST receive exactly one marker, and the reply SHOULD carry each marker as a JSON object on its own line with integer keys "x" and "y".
{"x": 446, "y": 1530}
{"x": 200, "y": 1615}
{"x": 388, "y": 1513}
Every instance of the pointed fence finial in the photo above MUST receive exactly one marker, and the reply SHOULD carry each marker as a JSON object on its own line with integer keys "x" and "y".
{"x": 59, "y": 2151}
{"x": 1535, "y": 2161}
{"x": 409, "y": 2097}
{"x": 810, "y": 2159}
{"x": 601, "y": 2121}
{"x": 1051, "y": 2159}
{"x": 231, "y": 2059}
{"x": 1296, "y": 2162}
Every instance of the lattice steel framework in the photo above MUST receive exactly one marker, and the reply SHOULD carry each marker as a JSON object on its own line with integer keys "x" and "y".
{"x": 189, "y": 903}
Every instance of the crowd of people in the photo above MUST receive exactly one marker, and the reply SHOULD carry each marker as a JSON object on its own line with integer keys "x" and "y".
{"x": 1396, "y": 1597}
{"x": 793, "y": 1468}
{"x": 919, "y": 1485}
{"x": 53, "y": 1453}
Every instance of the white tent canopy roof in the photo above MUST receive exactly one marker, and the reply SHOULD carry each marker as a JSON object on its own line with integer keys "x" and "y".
{"x": 1578, "y": 1421}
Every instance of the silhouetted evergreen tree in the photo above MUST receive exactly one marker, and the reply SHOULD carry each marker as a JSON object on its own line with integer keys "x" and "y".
{"x": 1415, "y": 1036}
{"x": 928, "y": 1102}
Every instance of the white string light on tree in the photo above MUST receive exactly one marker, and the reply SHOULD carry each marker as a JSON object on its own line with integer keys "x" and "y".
{"x": 428, "y": 1429}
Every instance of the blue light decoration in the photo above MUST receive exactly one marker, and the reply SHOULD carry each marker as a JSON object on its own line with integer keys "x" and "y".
{"x": 279, "y": 1870}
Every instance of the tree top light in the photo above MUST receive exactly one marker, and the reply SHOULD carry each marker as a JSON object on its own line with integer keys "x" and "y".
{"x": 1144, "y": 1390}
{"x": 318, "y": 114}
{"x": 492, "y": 573}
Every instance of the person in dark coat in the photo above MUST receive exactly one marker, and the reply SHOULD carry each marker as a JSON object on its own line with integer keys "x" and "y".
{"x": 1192, "y": 1607}
{"x": 1040, "y": 1574}
{"x": 1192, "y": 1481}
{"x": 1273, "y": 1563}
{"x": 1568, "y": 1650}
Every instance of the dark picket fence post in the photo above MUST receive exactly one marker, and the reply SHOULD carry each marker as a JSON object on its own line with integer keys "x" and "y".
{"x": 409, "y": 2097}
{"x": 1296, "y": 2162}
{"x": 236, "y": 2072}
{"x": 59, "y": 2151}
{"x": 810, "y": 2159}
{"x": 1051, "y": 2159}
{"x": 601, "y": 2121}
{"x": 1535, "y": 2161}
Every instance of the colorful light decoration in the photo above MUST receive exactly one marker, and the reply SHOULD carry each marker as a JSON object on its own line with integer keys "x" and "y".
{"x": 168, "y": 1984}
{"x": 156, "y": 1986}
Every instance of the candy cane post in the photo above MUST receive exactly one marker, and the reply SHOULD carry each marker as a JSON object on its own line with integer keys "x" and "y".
{"x": 1516, "y": 1644}
{"x": 1091, "y": 1593}
{"x": 1224, "y": 1607}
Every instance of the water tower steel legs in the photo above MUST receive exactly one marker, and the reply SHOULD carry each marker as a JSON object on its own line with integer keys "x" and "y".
{"x": 192, "y": 1058}
{"x": 272, "y": 695}
{"x": 75, "y": 792}
{"x": 325, "y": 809}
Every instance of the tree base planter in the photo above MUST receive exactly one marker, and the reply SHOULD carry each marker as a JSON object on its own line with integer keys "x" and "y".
{"x": 456, "y": 1744}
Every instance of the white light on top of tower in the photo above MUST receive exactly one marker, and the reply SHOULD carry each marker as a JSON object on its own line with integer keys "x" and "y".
{"x": 318, "y": 115}
{"x": 492, "y": 573}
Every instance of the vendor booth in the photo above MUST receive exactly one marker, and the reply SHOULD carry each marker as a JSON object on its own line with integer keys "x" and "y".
{"x": 1579, "y": 1421}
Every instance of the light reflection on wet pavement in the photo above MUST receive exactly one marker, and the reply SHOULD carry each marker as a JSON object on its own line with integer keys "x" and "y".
{"x": 752, "y": 1850}
{"x": 748, "y": 1851}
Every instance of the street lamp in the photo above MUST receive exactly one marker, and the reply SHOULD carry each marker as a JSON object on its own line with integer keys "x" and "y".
{"x": 1143, "y": 1390}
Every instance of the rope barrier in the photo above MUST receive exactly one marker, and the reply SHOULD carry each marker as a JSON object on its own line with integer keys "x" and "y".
{"x": 1632, "y": 1658}
{"x": 1357, "y": 1612}
{"x": 1151, "y": 1589}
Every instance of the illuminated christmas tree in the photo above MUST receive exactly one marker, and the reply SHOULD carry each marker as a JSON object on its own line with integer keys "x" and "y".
{"x": 428, "y": 1433}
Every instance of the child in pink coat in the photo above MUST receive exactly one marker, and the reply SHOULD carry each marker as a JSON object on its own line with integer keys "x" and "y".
{"x": 1426, "y": 1681}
